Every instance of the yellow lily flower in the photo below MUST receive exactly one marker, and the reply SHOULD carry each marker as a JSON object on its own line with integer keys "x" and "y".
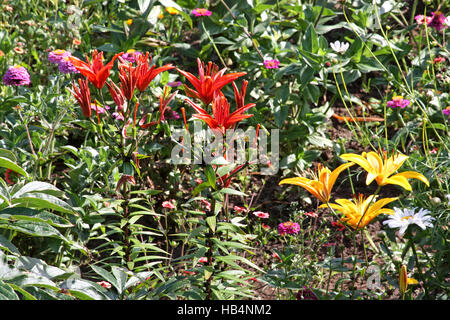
{"x": 382, "y": 170}
{"x": 403, "y": 280}
{"x": 320, "y": 187}
{"x": 361, "y": 212}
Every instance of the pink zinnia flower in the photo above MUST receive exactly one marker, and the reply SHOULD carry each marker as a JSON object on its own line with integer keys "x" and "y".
{"x": 105, "y": 284}
{"x": 437, "y": 21}
{"x": 421, "y": 19}
{"x": 446, "y": 111}
{"x": 56, "y": 56}
{"x": 260, "y": 214}
{"x": 16, "y": 76}
{"x": 271, "y": 64}
{"x": 288, "y": 227}
{"x": 118, "y": 116}
{"x": 199, "y": 12}
{"x": 398, "y": 102}
{"x": 131, "y": 55}
{"x": 168, "y": 204}
{"x": 65, "y": 66}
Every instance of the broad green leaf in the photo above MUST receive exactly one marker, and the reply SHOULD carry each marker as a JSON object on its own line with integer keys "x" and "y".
{"x": 211, "y": 221}
{"x": 8, "y": 164}
{"x": 34, "y": 228}
{"x": 38, "y": 186}
{"x": 42, "y": 201}
{"x": 7, "y": 292}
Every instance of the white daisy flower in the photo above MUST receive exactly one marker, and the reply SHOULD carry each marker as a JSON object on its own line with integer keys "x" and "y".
{"x": 339, "y": 47}
{"x": 402, "y": 218}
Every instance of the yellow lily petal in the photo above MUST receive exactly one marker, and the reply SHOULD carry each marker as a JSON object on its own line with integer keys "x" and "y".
{"x": 412, "y": 281}
{"x": 398, "y": 180}
{"x": 335, "y": 174}
{"x": 375, "y": 161}
{"x": 304, "y": 183}
{"x": 359, "y": 160}
{"x": 414, "y": 175}
{"x": 376, "y": 207}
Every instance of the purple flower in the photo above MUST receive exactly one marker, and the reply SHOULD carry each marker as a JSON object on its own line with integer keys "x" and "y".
{"x": 288, "y": 227}
{"x": 446, "y": 111}
{"x": 131, "y": 55}
{"x": 305, "y": 294}
{"x": 174, "y": 115}
{"x": 271, "y": 64}
{"x": 56, "y": 56}
{"x": 16, "y": 76}
{"x": 199, "y": 12}
{"x": 398, "y": 102}
{"x": 65, "y": 66}
{"x": 174, "y": 84}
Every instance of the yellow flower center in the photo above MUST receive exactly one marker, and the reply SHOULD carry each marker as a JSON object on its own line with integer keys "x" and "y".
{"x": 406, "y": 218}
{"x": 59, "y": 51}
{"x": 131, "y": 51}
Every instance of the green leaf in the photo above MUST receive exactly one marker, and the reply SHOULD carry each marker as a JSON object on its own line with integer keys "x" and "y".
{"x": 210, "y": 176}
{"x": 8, "y": 164}
{"x": 310, "y": 41}
{"x": 7, "y": 292}
{"x": 34, "y": 228}
{"x": 42, "y": 201}
{"x": 38, "y": 186}
{"x": 211, "y": 221}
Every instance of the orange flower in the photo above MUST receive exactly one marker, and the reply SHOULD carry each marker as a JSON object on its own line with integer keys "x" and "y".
{"x": 221, "y": 119}
{"x": 210, "y": 81}
{"x": 76, "y": 42}
{"x": 145, "y": 73}
{"x": 94, "y": 71}
{"x": 83, "y": 96}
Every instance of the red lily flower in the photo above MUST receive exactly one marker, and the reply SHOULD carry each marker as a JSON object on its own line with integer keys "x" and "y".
{"x": 208, "y": 83}
{"x": 221, "y": 119}
{"x": 128, "y": 76}
{"x": 146, "y": 74}
{"x": 164, "y": 101}
{"x": 118, "y": 97}
{"x": 83, "y": 96}
{"x": 94, "y": 71}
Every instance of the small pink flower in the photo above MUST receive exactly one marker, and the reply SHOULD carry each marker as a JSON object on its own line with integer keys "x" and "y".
{"x": 288, "y": 228}
{"x": 105, "y": 284}
{"x": 446, "y": 111}
{"x": 260, "y": 214}
{"x": 439, "y": 60}
{"x": 421, "y": 19}
{"x": 398, "y": 102}
{"x": 198, "y": 180}
{"x": 100, "y": 110}
{"x": 239, "y": 210}
{"x": 311, "y": 214}
{"x": 434, "y": 150}
{"x": 437, "y": 21}
{"x": 199, "y": 12}
{"x": 168, "y": 204}
{"x": 271, "y": 64}
{"x": 203, "y": 260}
